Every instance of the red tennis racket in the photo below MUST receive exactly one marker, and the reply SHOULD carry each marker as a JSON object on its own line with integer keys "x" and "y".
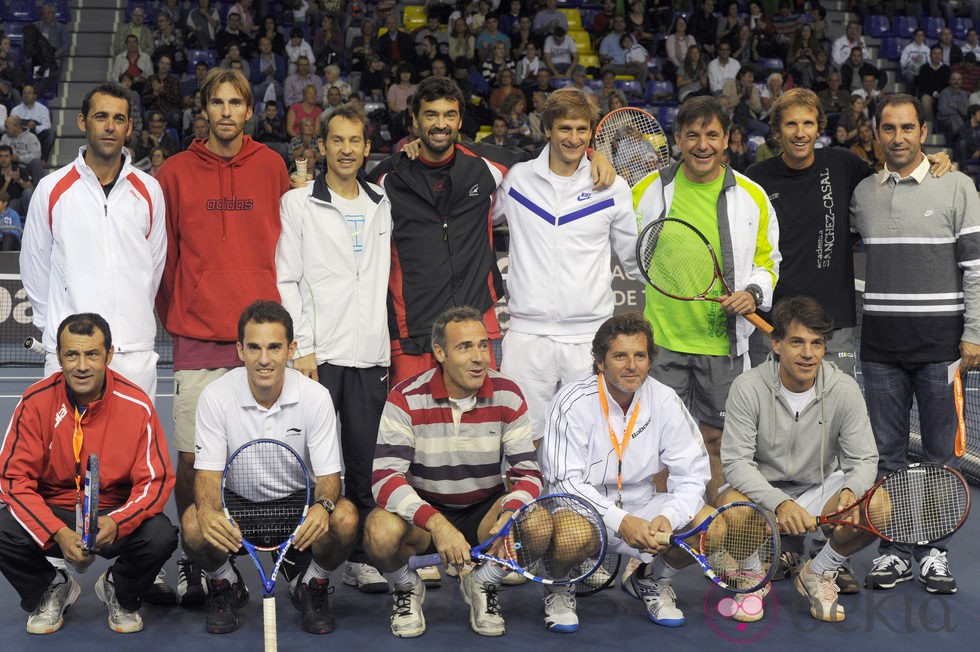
{"x": 918, "y": 505}
{"x": 634, "y": 142}
{"x": 679, "y": 262}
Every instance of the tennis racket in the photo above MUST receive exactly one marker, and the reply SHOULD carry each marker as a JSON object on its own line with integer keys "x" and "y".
{"x": 556, "y": 539}
{"x": 634, "y": 142}
{"x": 917, "y": 505}
{"x": 603, "y": 577}
{"x": 265, "y": 492}
{"x": 679, "y": 262}
{"x": 35, "y": 345}
{"x": 90, "y": 505}
{"x": 738, "y": 546}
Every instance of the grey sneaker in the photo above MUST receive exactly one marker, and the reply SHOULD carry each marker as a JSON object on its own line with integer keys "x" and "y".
{"x": 485, "y": 618}
{"x": 365, "y": 577}
{"x": 407, "y": 619}
{"x": 120, "y": 620}
{"x": 49, "y": 615}
{"x": 658, "y": 595}
{"x": 887, "y": 571}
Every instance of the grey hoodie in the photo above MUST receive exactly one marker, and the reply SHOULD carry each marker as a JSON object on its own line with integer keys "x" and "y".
{"x": 771, "y": 454}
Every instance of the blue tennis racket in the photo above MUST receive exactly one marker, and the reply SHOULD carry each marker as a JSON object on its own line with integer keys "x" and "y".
{"x": 265, "y": 493}
{"x": 556, "y": 539}
{"x": 738, "y": 546}
{"x": 90, "y": 505}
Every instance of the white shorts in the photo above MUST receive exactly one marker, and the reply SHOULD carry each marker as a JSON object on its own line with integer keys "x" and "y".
{"x": 540, "y": 365}
{"x": 814, "y": 498}
{"x": 137, "y": 366}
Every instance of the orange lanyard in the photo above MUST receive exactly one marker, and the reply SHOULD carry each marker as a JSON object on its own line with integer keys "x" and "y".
{"x": 619, "y": 447}
{"x": 76, "y": 444}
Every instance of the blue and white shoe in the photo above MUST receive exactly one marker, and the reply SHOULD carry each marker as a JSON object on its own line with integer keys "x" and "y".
{"x": 559, "y": 609}
{"x": 658, "y": 595}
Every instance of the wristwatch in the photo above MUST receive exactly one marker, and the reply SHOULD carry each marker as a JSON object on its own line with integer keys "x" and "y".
{"x": 327, "y": 504}
{"x": 756, "y": 293}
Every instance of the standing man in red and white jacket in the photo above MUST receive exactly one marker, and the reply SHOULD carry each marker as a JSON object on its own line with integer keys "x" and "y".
{"x": 84, "y": 408}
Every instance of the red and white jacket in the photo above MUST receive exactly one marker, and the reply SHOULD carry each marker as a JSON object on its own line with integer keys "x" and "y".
{"x": 37, "y": 462}
{"x": 86, "y": 252}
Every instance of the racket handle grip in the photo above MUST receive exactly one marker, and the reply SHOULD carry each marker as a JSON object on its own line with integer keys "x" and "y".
{"x": 759, "y": 322}
{"x": 269, "y": 623}
{"x": 416, "y": 562}
{"x": 663, "y": 538}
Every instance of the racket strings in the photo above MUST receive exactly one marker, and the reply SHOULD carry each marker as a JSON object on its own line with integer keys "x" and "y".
{"x": 265, "y": 492}
{"x": 740, "y": 547}
{"x": 676, "y": 260}
{"x": 558, "y": 538}
{"x": 634, "y": 142}
{"x": 919, "y": 504}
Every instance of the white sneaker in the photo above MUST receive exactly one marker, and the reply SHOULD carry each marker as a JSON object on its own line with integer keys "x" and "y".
{"x": 485, "y": 618}
{"x": 658, "y": 595}
{"x": 431, "y": 576}
{"x": 407, "y": 619}
{"x": 559, "y": 609}
{"x": 49, "y": 615}
{"x": 365, "y": 577}
{"x": 513, "y": 578}
{"x": 120, "y": 620}
{"x": 751, "y": 606}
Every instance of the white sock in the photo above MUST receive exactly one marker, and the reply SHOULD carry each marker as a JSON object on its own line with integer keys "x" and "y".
{"x": 659, "y": 569}
{"x": 315, "y": 571}
{"x": 58, "y": 563}
{"x": 826, "y": 560}
{"x": 225, "y": 572}
{"x": 489, "y": 573}
{"x": 403, "y": 577}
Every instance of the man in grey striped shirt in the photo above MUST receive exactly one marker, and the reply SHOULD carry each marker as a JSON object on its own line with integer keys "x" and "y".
{"x": 921, "y": 312}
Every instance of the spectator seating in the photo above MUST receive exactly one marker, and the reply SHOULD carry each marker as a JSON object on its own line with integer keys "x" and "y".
{"x": 21, "y": 11}
{"x": 876, "y": 26}
{"x": 574, "y": 19}
{"x": 582, "y": 41}
{"x": 933, "y": 25}
{"x": 666, "y": 115}
{"x": 960, "y": 26}
{"x": 892, "y": 46}
{"x": 414, "y": 17}
{"x": 904, "y": 26}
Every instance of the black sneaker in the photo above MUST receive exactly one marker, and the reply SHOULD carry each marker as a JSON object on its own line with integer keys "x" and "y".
{"x": 934, "y": 573}
{"x": 160, "y": 593}
{"x": 846, "y": 582}
{"x": 887, "y": 571}
{"x": 192, "y": 586}
{"x": 239, "y": 588}
{"x": 787, "y": 565}
{"x": 222, "y": 615}
{"x": 314, "y": 603}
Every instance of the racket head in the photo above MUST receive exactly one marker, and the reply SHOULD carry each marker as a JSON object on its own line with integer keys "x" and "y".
{"x": 555, "y": 539}
{"x": 634, "y": 142}
{"x": 739, "y": 546}
{"x": 603, "y": 577}
{"x": 676, "y": 259}
{"x": 919, "y": 504}
{"x": 90, "y": 504}
{"x": 265, "y": 493}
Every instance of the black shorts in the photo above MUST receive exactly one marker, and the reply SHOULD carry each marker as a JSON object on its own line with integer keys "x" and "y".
{"x": 467, "y": 519}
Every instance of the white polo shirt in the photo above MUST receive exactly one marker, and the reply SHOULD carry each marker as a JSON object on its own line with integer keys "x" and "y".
{"x": 304, "y": 418}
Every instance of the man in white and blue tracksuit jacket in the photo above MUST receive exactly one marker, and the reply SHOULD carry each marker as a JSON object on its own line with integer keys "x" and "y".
{"x": 562, "y": 234}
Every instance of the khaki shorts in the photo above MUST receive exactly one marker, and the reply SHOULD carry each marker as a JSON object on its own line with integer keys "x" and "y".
{"x": 188, "y": 385}
{"x": 702, "y": 381}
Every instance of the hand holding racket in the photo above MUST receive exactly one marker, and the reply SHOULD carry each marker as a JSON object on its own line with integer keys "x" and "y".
{"x": 556, "y": 539}
{"x": 679, "y": 262}
{"x": 738, "y": 546}
{"x": 265, "y": 493}
{"x": 634, "y": 142}
{"x": 918, "y": 505}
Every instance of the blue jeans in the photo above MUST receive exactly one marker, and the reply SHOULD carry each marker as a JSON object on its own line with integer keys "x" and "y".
{"x": 888, "y": 390}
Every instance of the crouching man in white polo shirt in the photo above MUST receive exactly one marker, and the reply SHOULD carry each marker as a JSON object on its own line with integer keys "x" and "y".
{"x": 266, "y": 399}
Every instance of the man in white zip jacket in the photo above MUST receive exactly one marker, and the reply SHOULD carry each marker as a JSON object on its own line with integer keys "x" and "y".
{"x": 560, "y": 235}
{"x": 95, "y": 241}
{"x": 332, "y": 264}
{"x": 704, "y": 344}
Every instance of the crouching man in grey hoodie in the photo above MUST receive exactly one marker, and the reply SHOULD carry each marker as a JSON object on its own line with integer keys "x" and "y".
{"x": 798, "y": 441}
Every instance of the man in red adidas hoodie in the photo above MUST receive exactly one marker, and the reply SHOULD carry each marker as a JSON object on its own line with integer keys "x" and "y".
{"x": 222, "y": 198}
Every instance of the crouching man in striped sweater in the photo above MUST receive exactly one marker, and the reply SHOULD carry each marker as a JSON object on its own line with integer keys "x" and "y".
{"x": 443, "y": 437}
